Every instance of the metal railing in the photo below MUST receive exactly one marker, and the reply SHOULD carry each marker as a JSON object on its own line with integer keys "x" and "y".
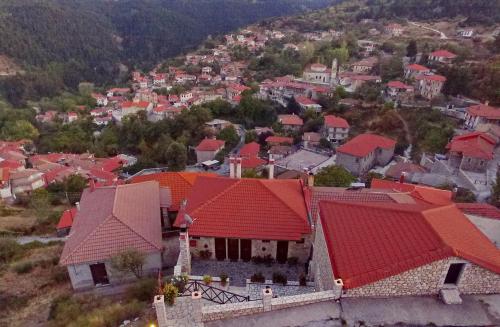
{"x": 213, "y": 294}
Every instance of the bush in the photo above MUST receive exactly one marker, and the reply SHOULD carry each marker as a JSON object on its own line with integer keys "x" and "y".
{"x": 23, "y": 267}
{"x": 293, "y": 261}
{"x": 205, "y": 254}
{"x": 9, "y": 249}
{"x": 143, "y": 290}
{"x": 279, "y": 278}
{"x": 180, "y": 282}
{"x": 302, "y": 280}
{"x": 170, "y": 292}
{"x": 267, "y": 259}
{"x": 60, "y": 274}
{"x": 223, "y": 279}
{"x": 258, "y": 278}
{"x": 111, "y": 315}
{"x": 207, "y": 279}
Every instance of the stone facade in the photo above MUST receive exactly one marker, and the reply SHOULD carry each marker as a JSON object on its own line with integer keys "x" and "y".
{"x": 467, "y": 163}
{"x": 335, "y": 134}
{"x": 360, "y": 165}
{"x": 429, "y": 280}
{"x": 320, "y": 266}
{"x": 202, "y": 156}
{"x": 81, "y": 276}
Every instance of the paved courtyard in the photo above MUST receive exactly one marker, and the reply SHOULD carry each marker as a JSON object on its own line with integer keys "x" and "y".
{"x": 255, "y": 290}
{"x": 238, "y": 272}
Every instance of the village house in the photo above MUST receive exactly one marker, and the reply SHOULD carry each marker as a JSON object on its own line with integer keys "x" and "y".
{"x": 335, "y": 129}
{"x": 208, "y": 149}
{"x": 291, "y": 123}
{"x": 65, "y": 222}
{"x": 306, "y": 103}
{"x": 436, "y": 256}
{"x": 216, "y": 125}
{"x": 363, "y": 152}
{"x": 394, "y": 29}
{"x": 5, "y": 189}
{"x": 214, "y": 203}
{"x": 364, "y": 66}
{"x": 26, "y": 181}
{"x": 397, "y": 90}
{"x": 279, "y": 140}
{"x": 130, "y": 107}
{"x": 430, "y": 86}
{"x": 311, "y": 140}
{"x": 403, "y": 170}
{"x": 442, "y": 56}
{"x": 233, "y": 90}
{"x": 471, "y": 151}
{"x": 100, "y": 99}
{"x": 352, "y": 81}
{"x": 367, "y": 47}
{"x": 249, "y": 154}
{"x": 481, "y": 114}
{"x": 413, "y": 70}
{"x": 465, "y": 33}
{"x": 108, "y": 221}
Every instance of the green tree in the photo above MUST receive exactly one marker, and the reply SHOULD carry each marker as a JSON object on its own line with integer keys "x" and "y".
{"x": 129, "y": 261}
{"x": 176, "y": 156}
{"x": 495, "y": 191}
{"x": 74, "y": 184}
{"x": 411, "y": 49}
{"x": 40, "y": 203}
{"x": 230, "y": 136}
{"x": 334, "y": 176}
{"x": 21, "y": 129}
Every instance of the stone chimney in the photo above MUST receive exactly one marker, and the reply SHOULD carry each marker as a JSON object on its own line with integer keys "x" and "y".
{"x": 486, "y": 102}
{"x": 184, "y": 253}
{"x": 238, "y": 167}
{"x": 310, "y": 179}
{"x": 232, "y": 161}
{"x": 271, "y": 168}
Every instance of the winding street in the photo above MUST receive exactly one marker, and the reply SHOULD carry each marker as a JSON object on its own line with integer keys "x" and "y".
{"x": 442, "y": 36}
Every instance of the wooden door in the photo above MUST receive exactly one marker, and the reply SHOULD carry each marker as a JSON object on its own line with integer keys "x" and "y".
{"x": 220, "y": 248}
{"x": 233, "y": 250}
{"x": 99, "y": 274}
{"x": 246, "y": 250}
{"x": 282, "y": 251}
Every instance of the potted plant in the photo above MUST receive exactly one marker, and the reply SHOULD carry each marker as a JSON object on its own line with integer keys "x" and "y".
{"x": 170, "y": 292}
{"x": 207, "y": 279}
{"x": 223, "y": 279}
{"x": 258, "y": 278}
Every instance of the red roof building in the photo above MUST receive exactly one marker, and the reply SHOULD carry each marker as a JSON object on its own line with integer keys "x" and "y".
{"x": 332, "y": 121}
{"x": 251, "y": 149}
{"x": 256, "y": 209}
{"x": 472, "y": 145}
{"x": 481, "y": 114}
{"x": 364, "y": 144}
{"x": 425, "y": 194}
{"x": 65, "y": 222}
{"x": 210, "y": 145}
{"x": 290, "y": 120}
{"x": 442, "y": 56}
{"x": 369, "y": 243}
{"x": 277, "y": 140}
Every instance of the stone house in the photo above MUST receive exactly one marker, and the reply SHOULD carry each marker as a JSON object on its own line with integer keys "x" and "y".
{"x": 291, "y": 123}
{"x": 394, "y": 29}
{"x": 398, "y": 90}
{"x": 441, "y": 252}
{"x": 26, "y": 180}
{"x": 306, "y": 103}
{"x": 471, "y": 151}
{"x": 411, "y": 71}
{"x": 430, "y": 86}
{"x": 237, "y": 219}
{"x": 109, "y": 221}
{"x": 481, "y": 114}
{"x": 335, "y": 129}
{"x": 365, "y": 151}
{"x": 311, "y": 140}
{"x": 442, "y": 56}
{"x": 208, "y": 149}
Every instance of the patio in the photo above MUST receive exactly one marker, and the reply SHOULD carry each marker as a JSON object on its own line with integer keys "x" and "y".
{"x": 239, "y": 271}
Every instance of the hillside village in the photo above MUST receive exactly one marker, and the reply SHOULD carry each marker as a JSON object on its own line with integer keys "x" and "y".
{"x": 312, "y": 180}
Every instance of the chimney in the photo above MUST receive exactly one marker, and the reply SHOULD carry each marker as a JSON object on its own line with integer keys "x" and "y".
{"x": 310, "y": 179}
{"x": 402, "y": 177}
{"x": 238, "y": 167}
{"x": 77, "y": 204}
{"x": 271, "y": 168}
{"x": 232, "y": 161}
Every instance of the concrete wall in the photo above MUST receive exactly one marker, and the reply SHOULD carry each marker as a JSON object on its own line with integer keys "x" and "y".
{"x": 81, "y": 277}
{"x": 359, "y": 166}
{"x": 429, "y": 279}
{"x": 473, "y": 164}
{"x": 384, "y": 156}
{"x": 202, "y": 156}
{"x": 320, "y": 267}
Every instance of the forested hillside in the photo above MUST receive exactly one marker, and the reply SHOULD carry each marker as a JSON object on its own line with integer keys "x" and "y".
{"x": 67, "y": 41}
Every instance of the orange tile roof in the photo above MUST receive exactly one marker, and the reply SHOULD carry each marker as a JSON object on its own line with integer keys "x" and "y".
{"x": 112, "y": 219}
{"x": 476, "y": 145}
{"x": 251, "y": 149}
{"x": 279, "y": 140}
{"x": 480, "y": 209}
{"x": 484, "y": 110}
{"x": 443, "y": 54}
{"x": 363, "y": 144}
{"x": 370, "y": 242}
{"x": 290, "y": 120}
{"x": 210, "y": 145}
{"x": 247, "y": 208}
{"x": 417, "y": 67}
{"x": 252, "y": 162}
{"x": 179, "y": 183}
{"x": 336, "y": 122}
{"x": 66, "y": 219}
{"x": 423, "y": 193}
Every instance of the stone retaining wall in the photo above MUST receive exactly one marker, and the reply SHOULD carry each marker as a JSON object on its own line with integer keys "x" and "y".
{"x": 301, "y": 299}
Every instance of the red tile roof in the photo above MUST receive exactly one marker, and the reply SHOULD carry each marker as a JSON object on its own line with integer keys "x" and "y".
{"x": 247, "y": 208}
{"x": 476, "y": 145}
{"x": 483, "y": 110}
{"x": 66, "y": 219}
{"x": 11, "y": 164}
{"x": 251, "y": 149}
{"x": 252, "y": 162}
{"x": 112, "y": 219}
{"x": 139, "y": 104}
{"x": 395, "y": 171}
{"x": 305, "y": 101}
{"x": 336, "y": 122}
{"x": 433, "y": 77}
{"x": 210, "y": 145}
{"x": 370, "y": 242}
{"x": 290, "y": 120}
{"x": 399, "y": 85}
{"x": 179, "y": 183}
{"x": 479, "y": 209}
{"x": 443, "y": 54}
{"x": 363, "y": 144}
{"x": 426, "y": 194}
{"x": 417, "y": 67}
{"x": 279, "y": 140}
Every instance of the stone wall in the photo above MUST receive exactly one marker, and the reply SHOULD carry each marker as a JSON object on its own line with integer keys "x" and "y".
{"x": 202, "y": 244}
{"x": 263, "y": 248}
{"x": 320, "y": 266}
{"x": 384, "y": 156}
{"x": 429, "y": 279}
{"x": 300, "y": 250}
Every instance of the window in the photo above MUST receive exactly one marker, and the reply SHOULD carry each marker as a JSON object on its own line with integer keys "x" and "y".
{"x": 454, "y": 272}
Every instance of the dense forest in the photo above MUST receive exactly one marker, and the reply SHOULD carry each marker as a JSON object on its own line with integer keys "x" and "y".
{"x": 62, "y": 42}
{"x": 475, "y": 11}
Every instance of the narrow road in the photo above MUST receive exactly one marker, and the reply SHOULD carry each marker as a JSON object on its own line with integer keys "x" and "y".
{"x": 442, "y": 36}
{"x": 29, "y": 239}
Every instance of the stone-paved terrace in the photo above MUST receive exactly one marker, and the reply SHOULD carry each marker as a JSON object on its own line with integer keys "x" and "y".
{"x": 255, "y": 290}
{"x": 238, "y": 272}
